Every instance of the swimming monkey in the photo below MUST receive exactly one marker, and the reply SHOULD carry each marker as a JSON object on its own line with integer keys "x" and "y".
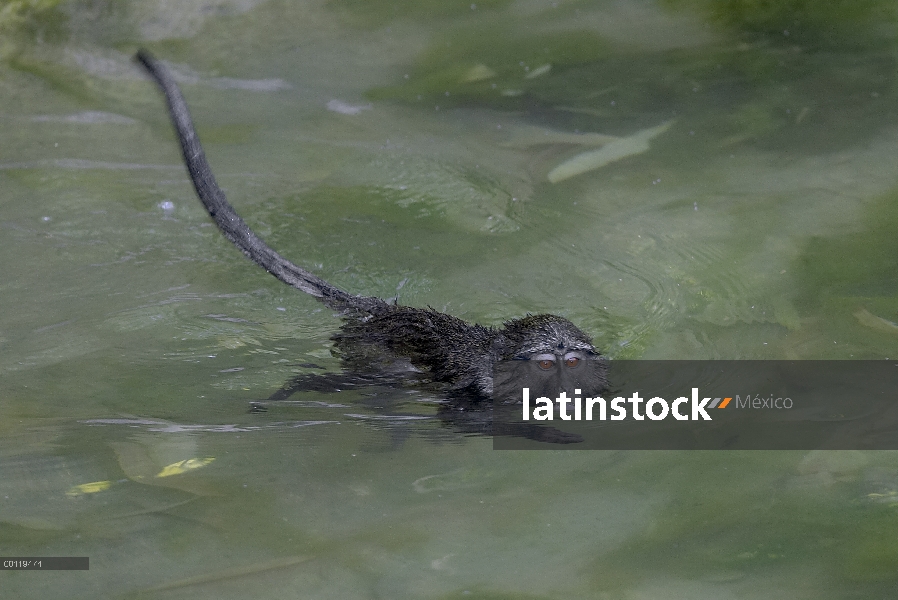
{"x": 544, "y": 352}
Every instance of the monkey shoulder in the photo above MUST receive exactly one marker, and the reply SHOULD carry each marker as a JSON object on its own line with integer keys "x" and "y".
{"x": 446, "y": 347}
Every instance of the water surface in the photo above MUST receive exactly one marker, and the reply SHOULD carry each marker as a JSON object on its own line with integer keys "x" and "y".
{"x": 404, "y": 151}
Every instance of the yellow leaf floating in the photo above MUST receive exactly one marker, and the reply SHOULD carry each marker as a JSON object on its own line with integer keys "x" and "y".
{"x": 184, "y": 466}
{"x": 88, "y": 488}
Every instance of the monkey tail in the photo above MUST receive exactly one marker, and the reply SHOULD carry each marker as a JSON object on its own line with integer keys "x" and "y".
{"x": 224, "y": 215}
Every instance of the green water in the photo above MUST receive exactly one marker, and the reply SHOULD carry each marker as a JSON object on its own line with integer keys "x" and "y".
{"x": 400, "y": 149}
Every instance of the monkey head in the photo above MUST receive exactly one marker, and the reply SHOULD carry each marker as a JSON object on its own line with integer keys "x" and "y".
{"x": 547, "y": 354}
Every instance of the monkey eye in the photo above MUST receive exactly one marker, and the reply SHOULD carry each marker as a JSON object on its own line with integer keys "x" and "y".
{"x": 571, "y": 360}
{"x": 545, "y": 361}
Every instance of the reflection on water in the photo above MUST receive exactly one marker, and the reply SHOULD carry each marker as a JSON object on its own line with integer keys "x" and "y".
{"x": 405, "y": 152}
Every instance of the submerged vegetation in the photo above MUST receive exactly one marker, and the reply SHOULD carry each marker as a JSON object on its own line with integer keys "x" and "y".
{"x": 838, "y": 24}
{"x": 761, "y": 70}
{"x": 21, "y": 21}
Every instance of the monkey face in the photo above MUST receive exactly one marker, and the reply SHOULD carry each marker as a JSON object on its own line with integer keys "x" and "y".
{"x": 550, "y": 374}
{"x": 549, "y": 355}
{"x": 549, "y": 361}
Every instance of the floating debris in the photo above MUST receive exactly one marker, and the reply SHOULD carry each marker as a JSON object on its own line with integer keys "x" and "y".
{"x": 478, "y": 73}
{"x": 609, "y": 153}
{"x": 88, "y": 488}
{"x": 868, "y": 319}
{"x": 183, "y": 466}
{"x": 540, "y": 70}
